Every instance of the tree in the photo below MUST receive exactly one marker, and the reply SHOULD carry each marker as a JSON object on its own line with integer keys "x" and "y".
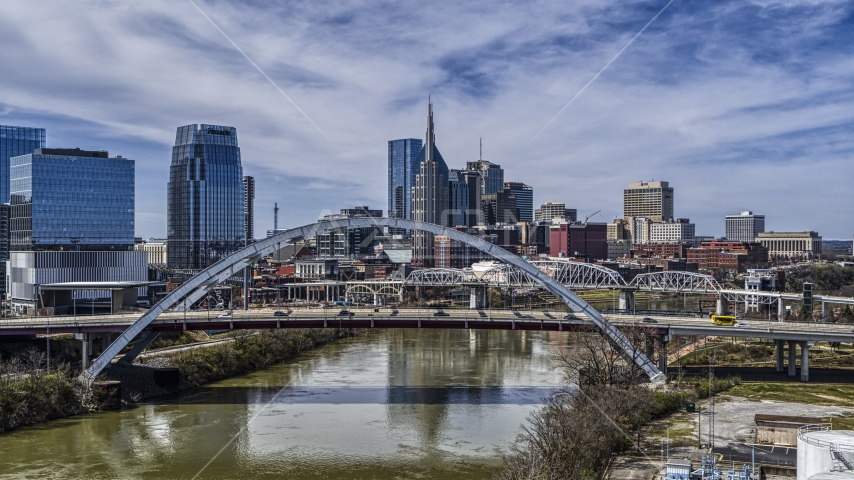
{"x": 594, "y": 361}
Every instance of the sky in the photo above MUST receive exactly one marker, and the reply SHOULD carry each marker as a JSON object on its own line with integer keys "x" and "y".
{"x": 740, "y": 105}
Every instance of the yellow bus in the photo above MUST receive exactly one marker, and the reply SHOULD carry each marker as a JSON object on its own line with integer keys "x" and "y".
{"x": 723, "y": 320}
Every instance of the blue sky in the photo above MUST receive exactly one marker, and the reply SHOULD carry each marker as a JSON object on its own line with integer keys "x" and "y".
{"x": 740, "y": 105}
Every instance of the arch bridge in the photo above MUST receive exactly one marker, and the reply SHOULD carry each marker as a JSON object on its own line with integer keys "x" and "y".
{"x": 198, "y": 286}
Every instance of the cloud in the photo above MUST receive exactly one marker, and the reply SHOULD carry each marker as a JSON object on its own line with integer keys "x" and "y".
{"x": 740, "y": 105}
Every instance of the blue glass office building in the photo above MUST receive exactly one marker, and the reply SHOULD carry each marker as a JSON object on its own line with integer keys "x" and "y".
{"x": 15, "y": 141}
{"x": 205, "y": 197}
{"x": 63, "y": 199}
{"x": 403, "y": 165}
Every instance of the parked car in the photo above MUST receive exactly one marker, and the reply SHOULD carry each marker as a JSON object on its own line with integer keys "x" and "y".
{"x": 649, "y": 320}
{"x": 279, "y": 313}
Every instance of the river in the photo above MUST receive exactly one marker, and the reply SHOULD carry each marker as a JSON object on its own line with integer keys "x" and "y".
{"x": 395, "y": 404}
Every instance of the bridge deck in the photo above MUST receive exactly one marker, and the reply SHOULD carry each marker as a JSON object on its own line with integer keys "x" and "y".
{"x": 425, "y": 318}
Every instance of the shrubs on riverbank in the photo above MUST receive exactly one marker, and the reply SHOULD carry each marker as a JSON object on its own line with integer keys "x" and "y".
{"x": 249, "y": 353}
{"x": 29, "y": 395}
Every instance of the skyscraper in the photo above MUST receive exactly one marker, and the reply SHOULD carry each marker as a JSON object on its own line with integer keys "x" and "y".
{"x": 16, "y": 141}
{"x": 71, "y": 219}
{"x": 205, "y": 197}
{"x": 402, "y": 168}
{"x": 459, "y": 209}
{"x": 745, "y": 227}
{"x": 249, "y": 207}
{"x": 429, "y": 195}
{"x": 652, "y": 200}
{"x": 524, "y": 200}
{"x": 492, "y": 176}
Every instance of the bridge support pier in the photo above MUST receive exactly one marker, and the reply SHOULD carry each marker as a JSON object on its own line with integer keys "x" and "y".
{"x": 723, "y": 306}
{"x": 662, "y": 355}
{"x": 792, "y": 357}
{"x": 86, "y": 348}
{"x": 823, "y": 312}
{"x": 476, "y": 299}
{"x": 805, "y": 361}
{"x": 627, "y": 300}
{"x": 650, "y": 346}
{"x": 780, "y": 347}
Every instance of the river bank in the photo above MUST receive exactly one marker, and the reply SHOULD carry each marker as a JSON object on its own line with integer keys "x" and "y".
{"x": 30, "y": 395}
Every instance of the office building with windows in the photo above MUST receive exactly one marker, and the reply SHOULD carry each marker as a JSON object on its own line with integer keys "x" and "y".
{"x": 492, "y": 176}
{"x": 555, "y": 210}
{"x": 403, "y": 165}
{"x": 205, "y": 202}
{"x": 680, "y": 231}
{"x": 499, "y": 208}
{"x": 430, "y": 198}
{"x": 652, "y": 200}
{"x": 459, "y": 210}
{"x": 15, "y": 141}
{"x": 524, "y": 200}
{"x": 249, "y": 207}
{"x": 744, "y": 227}
{"x": 349, "y": 242}
{"x": 71, "y": 220}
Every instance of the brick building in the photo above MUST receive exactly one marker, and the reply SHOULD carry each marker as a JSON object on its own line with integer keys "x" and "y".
{"x": 587, "y": 240}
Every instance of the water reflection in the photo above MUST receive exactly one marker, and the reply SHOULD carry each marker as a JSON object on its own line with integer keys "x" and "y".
{"x": 397, "y": 404}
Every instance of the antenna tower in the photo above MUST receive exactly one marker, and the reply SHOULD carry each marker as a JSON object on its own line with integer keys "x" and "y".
{"x": 275, "y": 217}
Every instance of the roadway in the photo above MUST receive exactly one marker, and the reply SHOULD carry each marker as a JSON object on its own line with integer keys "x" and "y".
{"x": 370, "y": 317}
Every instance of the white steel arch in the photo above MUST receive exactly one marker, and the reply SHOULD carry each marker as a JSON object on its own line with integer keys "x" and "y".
{"x": 440, "y": 277}
{"x": 578, "y": 275}
{"x": 679, "y": 282}
{"x": 235, "y": 262}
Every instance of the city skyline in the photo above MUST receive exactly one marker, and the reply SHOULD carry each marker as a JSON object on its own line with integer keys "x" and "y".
{"x": 716, "y": 108}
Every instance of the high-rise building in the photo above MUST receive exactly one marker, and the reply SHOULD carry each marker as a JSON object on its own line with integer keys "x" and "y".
{"x": 680, "y": 231}
{"x": 551, "y": 210}
{"x": 652, "y": 200}
{"x": 402, "y": 168}
{"x": 492, "y": 176}
{"x": 15, "y": 141}
{"x": 4, "y": 246}
{"x": 475, "y": 189}
{"x": 71, "y": 220}
{"x": 459, "y": 209}
{"x": 249, "y": 207}
{"x": 499, "y": 208}
{"x": 205, "y": 197}
{"x": 429, "y": 195}
{"x": 349, "y": 242}
{"x": 744, "y": 227}
{"x": 524, "y": 200}
{"x": 619, "y": 229}
{"x": 588, "y": 240}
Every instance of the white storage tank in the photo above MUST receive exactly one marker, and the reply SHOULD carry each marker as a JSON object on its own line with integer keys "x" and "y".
{"x": 825, "y": 451}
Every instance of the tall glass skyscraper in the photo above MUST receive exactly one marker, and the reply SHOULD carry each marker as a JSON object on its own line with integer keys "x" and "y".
{"x": 71, "y": 199}
{"x": 205, "y": 197}
{"x": 402, "y": 167}
{"x": 16, "y": 141}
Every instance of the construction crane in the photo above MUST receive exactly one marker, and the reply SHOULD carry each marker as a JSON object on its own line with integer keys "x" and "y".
{"x": 591, "y": 216}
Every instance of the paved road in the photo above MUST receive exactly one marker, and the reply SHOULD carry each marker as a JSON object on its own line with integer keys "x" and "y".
{"x": 425, "y": 317}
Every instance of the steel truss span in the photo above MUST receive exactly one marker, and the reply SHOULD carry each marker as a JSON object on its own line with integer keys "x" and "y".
{"x": 197, "y": 286}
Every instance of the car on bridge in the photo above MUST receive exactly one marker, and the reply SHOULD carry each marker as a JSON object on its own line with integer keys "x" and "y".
{"x": 279, "y": 313}
{"x": 225, "y": 315}
{"x": 649, "y": 320}
{"x": 441, "y": 313}
{"x": 345, "y": 313}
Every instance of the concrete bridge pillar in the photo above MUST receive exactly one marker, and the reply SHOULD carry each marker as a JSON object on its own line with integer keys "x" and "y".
{"x": 723, "y": 306}
{"x": 792, "y": 357}
{"x": 475, "y": 298}
{"x": 823, "y": 312}
{"x": 86, "y": 348}
{"x": 780, "y": 347}
{"x": 627, "y": 300}
{"x": 376, "y": 300}
{"x": 662, "y": 355}
{"x": 805, "y": 361}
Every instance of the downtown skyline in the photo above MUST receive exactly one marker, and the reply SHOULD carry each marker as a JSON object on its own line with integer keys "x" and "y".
{"x": 738, "y": 106}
